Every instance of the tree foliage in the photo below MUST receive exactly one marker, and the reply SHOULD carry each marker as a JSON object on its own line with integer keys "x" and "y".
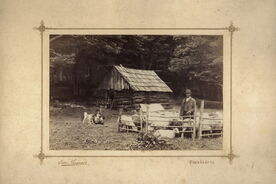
{"x": 176, "y": 58}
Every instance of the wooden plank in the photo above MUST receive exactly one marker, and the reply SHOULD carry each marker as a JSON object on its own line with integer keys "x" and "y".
{"x": 191, "y": 126}
{"x": 140, "y": 118}
{"x": 194, "y": 127}
{"x": 188, "y": 131}
{"x": 147, "y": 121}
{"x": 158, "y": 120}
{"x": 215, "y": 119}
{"x": 119, "y": 119}
{"x": 211, "y": 129}
{"x": 200, "y": 119}
{"x": 203, "y": 135}
{"x": 155, "y": 116}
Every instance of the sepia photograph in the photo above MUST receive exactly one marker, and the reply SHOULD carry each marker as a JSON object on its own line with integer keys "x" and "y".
{"x": 136, "y": 92}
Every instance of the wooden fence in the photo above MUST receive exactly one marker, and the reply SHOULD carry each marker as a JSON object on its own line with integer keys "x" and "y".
{"x": 204, "y": 129}
{"x": 189, "y": 124}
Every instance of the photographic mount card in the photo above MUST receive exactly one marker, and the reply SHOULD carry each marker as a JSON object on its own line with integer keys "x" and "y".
{"x": 227, "y": 132}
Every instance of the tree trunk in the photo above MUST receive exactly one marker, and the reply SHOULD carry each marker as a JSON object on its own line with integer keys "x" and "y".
{"x": 143, "y": 63}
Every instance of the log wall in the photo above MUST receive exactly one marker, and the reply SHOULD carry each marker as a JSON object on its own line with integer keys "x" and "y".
{"x": 130, "y": 100}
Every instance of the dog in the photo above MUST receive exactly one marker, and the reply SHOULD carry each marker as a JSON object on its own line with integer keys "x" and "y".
{"x": 87, "y": 118}
{"x": 96, "y": 118}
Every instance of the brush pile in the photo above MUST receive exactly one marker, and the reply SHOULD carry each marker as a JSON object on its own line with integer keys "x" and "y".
{"x": 148, "y": 141}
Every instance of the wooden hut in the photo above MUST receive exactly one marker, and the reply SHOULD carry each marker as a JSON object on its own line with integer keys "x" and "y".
{"x": 127, "y": 88}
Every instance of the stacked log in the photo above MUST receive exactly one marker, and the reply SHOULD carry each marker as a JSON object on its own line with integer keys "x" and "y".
{"x": 151, "y": 97}
{"x": 123, "y": 100}
{"x": 129, "y": 100}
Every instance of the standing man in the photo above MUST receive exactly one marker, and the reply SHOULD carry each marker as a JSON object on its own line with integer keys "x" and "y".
{"x": 188, "y": 105}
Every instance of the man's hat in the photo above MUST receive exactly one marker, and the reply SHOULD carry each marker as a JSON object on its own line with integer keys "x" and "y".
{"x": 188, "y": 91}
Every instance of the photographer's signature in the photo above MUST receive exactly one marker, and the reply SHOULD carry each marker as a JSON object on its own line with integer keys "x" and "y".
{"x": 73, "y": 162}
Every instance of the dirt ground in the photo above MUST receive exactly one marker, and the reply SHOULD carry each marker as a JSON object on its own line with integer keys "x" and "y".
{"x": 68, "y": 133}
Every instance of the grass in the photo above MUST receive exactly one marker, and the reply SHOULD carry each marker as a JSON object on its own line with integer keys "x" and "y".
{"x": 68, "y": 133}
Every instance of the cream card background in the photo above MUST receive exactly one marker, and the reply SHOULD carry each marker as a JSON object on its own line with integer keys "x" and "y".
{"x": 253, "y": 90}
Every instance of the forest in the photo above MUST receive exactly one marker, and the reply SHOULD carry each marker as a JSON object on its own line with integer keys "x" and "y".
{"x": 78, "y": 63}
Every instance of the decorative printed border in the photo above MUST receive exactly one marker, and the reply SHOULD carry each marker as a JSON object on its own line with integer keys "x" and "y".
{"x": 231, "y": 28}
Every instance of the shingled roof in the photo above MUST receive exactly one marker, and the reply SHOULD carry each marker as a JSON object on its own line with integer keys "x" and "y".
{"x": 143, "y": 80}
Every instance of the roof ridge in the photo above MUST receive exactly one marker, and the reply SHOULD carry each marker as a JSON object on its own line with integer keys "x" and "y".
{"x": 133, "y": 68}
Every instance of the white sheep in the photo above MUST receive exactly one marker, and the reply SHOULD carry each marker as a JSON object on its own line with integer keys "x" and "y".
{"x": 166, "y": 133}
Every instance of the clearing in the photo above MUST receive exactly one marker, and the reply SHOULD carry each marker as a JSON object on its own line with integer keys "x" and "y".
{"x": 68, "y": 133}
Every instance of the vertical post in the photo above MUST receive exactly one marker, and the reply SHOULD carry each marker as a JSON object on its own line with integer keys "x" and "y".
{"x": 194, "y": 123}
{"x": 200, "y": 119}
{"x": 141, "y": 120}
{"x": 147, "y": 121}
{"x": 194, "y": 126}
{"x": 119, "y": 119}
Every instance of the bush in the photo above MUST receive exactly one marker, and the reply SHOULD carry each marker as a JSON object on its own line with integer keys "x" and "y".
{"x": 147, "y": 141}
